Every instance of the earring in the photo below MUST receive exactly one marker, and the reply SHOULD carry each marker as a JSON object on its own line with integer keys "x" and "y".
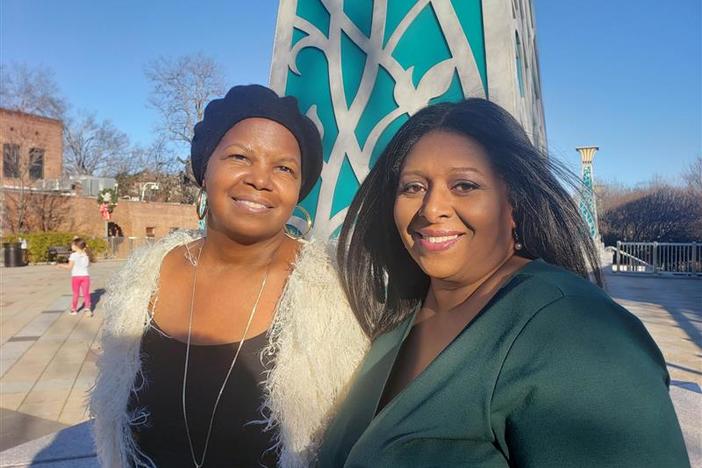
{"x": 308, "y": 225}
{"x": 201, "y": 204}
{"x": 517, "y": 244}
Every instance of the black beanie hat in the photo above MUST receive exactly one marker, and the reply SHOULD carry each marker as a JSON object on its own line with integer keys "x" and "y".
{"x": 247, "y": 101}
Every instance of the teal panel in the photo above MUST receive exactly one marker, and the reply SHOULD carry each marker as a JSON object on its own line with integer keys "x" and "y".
{"x": 353, "y": 60}
{"x": 423, "y": 44}
{"x": 310, "y": 201}
{"x": 380, "y": 103}
{"x": 396, "y": 10}
{"x": 296, "y": 36}
{"x": 337, "y": 232}
{"x": 587, "y": 202}
{"x": 518, "y": 54}
{"x": 470, "y": 15}
{"x": 360, "y": 12}
{"x": 385, "y": 138}
{"x": 314, "y": 12}
{"x": 453, "y": 94}
{"x": 421, "y": 47}
{"x": 311, "y": 87}
{"x": 346, "y": 189}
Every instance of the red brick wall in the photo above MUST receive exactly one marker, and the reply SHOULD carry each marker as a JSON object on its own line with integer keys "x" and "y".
{"x": 31, "y": 131}
{"x": 133, "y": 217}
{"x": 81, "y": 214}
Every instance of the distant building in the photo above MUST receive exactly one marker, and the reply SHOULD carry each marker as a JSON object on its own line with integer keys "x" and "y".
{"x": 35, "y": 195}
{"x": 32, "y": 148}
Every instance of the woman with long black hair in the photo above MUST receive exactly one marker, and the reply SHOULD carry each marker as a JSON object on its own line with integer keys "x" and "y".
{"x": 467, "y": 263}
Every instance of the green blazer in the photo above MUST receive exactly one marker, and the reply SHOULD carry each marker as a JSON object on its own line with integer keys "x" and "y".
{"x": 551, "y": 373}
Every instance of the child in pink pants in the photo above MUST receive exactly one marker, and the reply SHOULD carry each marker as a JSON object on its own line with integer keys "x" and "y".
{"x": 80, "y": 278}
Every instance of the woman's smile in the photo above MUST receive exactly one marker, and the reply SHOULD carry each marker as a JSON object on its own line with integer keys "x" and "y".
{"x": 436, "y": 240}
{"x": 251, "y": 204}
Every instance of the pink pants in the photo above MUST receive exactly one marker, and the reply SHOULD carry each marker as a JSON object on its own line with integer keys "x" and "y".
{"x": 80, "y": 284}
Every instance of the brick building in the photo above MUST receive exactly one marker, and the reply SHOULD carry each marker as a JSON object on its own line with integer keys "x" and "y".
{"x": 36, "y": 196}
{"x": 32, "y": 148}
{"x": 130, "y": 218}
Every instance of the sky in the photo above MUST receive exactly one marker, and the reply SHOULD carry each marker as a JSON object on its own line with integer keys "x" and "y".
{"x": 624, "y": 75}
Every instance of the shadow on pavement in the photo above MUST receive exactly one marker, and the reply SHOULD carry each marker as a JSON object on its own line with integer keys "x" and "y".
{"x": 680, "y": 297}
{"x": 96, "y": 295}
{"x": 17, "y": 428}
{"x": 71, "y": 447}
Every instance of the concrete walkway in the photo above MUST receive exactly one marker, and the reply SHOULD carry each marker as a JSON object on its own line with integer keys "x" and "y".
{"x": 47, "y": 358}
{"x": 671, "y": 309}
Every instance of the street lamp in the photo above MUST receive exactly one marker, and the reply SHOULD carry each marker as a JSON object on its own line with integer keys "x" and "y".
{"x": 153, "y": 185}
{"x": 588, "y": 203}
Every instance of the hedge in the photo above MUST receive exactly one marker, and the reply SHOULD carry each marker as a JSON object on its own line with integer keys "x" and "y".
{"x": 38, "y": 244}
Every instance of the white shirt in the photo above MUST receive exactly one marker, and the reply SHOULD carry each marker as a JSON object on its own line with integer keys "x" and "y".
{"x": 80, "y": 264}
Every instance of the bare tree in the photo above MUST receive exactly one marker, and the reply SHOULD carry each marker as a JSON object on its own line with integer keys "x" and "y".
{"x": 95, "y": 148}
{"x": 692, "y": 175}
{"x": 156, "y": 163}
{"x": 181, "y": 88}
{"x": 29, "y": 211}
{"x": 653, "y": 213}
{"x": 30, "y": 90}
{"x": 15, "y": 195}
{"x": 158, "y": 157}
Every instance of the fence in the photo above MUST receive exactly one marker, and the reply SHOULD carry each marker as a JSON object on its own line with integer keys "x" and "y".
{"x": 671, "y": 258}
{"x": 122, "y": 247}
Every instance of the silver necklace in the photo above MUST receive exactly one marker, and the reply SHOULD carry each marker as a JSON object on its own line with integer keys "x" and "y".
{"x": 195, "y": 262}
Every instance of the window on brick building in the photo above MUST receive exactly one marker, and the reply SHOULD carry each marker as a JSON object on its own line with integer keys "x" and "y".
{"x": 10, "y": 160}
{"x": 36, "y": 163}
{"x": 150, "y": 231}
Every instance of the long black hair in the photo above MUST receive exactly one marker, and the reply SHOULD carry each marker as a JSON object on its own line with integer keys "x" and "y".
{"x": 382, "y": 281}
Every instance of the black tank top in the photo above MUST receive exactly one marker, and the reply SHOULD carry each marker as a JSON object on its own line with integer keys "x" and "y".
{"x": 235, "y": 441}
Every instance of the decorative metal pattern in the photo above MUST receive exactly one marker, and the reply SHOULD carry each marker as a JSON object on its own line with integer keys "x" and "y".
{"x": 360, "y": 68}
{"x": 588, "y": 204}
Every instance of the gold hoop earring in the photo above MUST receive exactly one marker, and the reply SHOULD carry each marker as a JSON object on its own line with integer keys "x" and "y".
{"x": 308, "y": 226}
{"x": 201, "y": 204}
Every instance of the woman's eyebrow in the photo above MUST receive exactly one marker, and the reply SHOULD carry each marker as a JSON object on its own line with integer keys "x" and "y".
{"x": 466, "y": 169}
{"x": 238, "y": 145}
{"x": 288, "y": 160}
{"x": 411, "y": 172}
{"x": 451, "y": 170}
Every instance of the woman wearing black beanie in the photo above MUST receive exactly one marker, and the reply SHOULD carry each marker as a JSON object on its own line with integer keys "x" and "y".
{"x": 222, "y": 350}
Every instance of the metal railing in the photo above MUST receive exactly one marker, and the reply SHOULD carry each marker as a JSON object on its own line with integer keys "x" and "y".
{"x": 671, "y": 258}
{"x": 123, "y": 247}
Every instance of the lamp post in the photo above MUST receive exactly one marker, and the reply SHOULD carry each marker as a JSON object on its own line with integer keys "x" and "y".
{"x": 153, "y": 185}
{"x": 588, "y": 204}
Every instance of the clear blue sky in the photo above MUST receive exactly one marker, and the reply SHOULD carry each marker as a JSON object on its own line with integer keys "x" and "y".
{"x": 624, "y": 75}
{"x": 621, "y": 74}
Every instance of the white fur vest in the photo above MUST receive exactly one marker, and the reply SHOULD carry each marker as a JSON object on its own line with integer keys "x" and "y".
{"x": 315, "y": 340}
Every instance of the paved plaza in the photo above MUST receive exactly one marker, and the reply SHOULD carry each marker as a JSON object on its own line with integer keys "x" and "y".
{"x": 47, "y": 357}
